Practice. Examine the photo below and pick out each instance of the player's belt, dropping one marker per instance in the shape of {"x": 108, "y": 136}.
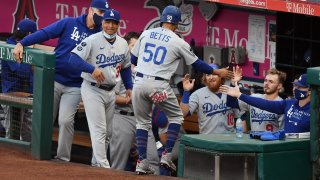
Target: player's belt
{"x": 103, "y": 86}
{"x": 126, "y": 113}
{"x": 155, "y": 77}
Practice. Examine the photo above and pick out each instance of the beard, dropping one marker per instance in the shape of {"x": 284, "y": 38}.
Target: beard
{"x": 214, "y": 87}
{"x": 269, "y": 90}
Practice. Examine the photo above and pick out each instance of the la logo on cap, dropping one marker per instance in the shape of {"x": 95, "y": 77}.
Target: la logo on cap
{"x": 107, "y": 5}
{"x": 111, "y": 13}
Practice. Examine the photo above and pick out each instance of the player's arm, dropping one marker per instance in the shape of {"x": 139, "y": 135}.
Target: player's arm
{"x": 121, "y": 100}
{"x": 203, "y": 67}
{"x": 134, "y": 60}
{"x": 52, "y": 31}
{"x": 271, "y": 106}
{"x": 127, "y": 81}
{"x": 78, "y": 63}
{"x": 187, "y": 87}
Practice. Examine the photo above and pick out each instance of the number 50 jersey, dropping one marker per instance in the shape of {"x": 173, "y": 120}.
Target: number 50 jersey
{"x": 159, "y": 51}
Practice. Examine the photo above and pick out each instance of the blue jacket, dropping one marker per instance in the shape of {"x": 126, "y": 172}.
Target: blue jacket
{"x": 297, "y": 119}
{"x": 70, "y": 31}
{"x": 16, "y": 77}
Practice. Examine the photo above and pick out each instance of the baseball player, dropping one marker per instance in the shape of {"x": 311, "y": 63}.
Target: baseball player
{"x": 261, "y": 120}
{"x": 123, "y": 151}
{"x": 70, "y": 31}
{"x": 296, "y": 110}
{"x": 157, "y": 54}
{"x": 106, "y": 57}
{"x": 216, "y": 111}
{"x": 18, "y": 78}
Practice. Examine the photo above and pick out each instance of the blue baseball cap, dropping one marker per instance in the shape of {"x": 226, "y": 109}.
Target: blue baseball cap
{"x": 27, "y": 25}
{"x": 100, "y": 4}
{"x": 302, "y": 81}
{"x": 112, "y": 14}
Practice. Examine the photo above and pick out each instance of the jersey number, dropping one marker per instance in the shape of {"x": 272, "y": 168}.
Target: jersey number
{"x": 230, "y": 119}
{"x": 118, "y": 68}
{"x": 157, "y": 54}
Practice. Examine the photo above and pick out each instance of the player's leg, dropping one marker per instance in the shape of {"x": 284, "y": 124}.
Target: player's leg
{"x": 123, "y": 135}
{"x": 2, "y": 122}
{"x": 26, "y": 124}
{"x": 7, "y": 119}
{"x": 69, "y": 102}
{"x": 58, "y": 88}
{"x": 93, "y": 100}
{"x": 142, "y": 110}
{"x": 109, "y": 100}
{"x": 152, "y": 153}
{"x": 172, "y": 109}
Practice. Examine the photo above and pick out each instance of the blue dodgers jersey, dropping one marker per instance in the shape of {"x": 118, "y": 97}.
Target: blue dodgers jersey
{"x": 297, "y": 119}
{"x": 16, "y": 77}
{"x": 70, "y": 31}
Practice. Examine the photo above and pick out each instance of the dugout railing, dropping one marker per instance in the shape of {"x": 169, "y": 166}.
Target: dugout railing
{"x": 43, "y": 63}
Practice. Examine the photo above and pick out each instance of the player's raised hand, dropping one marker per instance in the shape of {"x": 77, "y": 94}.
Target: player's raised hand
{"x": 98, "y": 75}
{"x": 231, "y": 91}
{"x": 224, "y": 73}
{"x": 237, "y": 71}
{"x": 18, "y": 52}
{"x": 128, "y": 96}
{"x": 187, "y": 82}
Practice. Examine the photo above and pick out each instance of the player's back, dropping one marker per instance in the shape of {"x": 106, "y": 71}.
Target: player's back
{"x": 159, "y": 52}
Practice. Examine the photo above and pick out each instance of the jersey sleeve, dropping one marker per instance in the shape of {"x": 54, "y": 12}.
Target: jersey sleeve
{"x": 244, "y": 106}
{"x": 56, "y": 29}
{"x": 186, "y": 53}
{"x": 193, "y": 103}
{"x": 83, "y": 49}
{"x": 277, "y": 107}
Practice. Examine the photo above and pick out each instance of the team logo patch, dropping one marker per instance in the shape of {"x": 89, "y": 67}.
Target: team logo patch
{"x": 107, "y": 5}
{"x": 79, "y": 48}
{"x": 83, "y": 44}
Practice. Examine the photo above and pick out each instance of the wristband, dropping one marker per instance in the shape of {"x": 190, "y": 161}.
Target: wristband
{"x": 185, "y": 97}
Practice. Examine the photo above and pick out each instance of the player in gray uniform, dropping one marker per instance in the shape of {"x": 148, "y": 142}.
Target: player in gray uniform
{"x": 157, "y": 54}
{"x": 106, "y": 56}
{"x": 261, "y": 120}
{"x": 216, "y": 111}
{"x": 123, "y": 142}
{"x": 67, "y": 94}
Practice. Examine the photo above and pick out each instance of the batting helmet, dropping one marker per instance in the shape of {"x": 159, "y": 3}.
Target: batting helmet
{"x": 112, "y": 14}
{"x": 171, "y": 14}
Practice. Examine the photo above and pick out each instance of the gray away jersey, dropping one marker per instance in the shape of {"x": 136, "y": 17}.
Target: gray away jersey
{"x": 159, "y": 51}
{"x": 110, "y": 58}
{"x": 213, "y": 114}
{"x": 261, "y": 120}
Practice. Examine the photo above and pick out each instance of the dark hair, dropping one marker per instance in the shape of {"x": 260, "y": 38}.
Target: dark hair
{"x": 130, "y": 35}
{"x": 19, "y": 35}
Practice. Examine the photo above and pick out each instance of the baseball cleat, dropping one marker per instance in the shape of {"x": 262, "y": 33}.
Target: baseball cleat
{"x": 143, "y": 168}
{"x": 167, "y": 163}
